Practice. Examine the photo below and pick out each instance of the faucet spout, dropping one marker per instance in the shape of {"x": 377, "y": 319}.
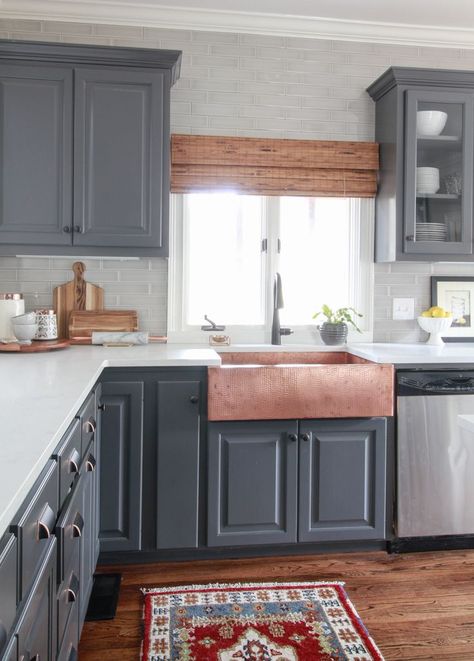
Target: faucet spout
{"x": 277, "y": 330}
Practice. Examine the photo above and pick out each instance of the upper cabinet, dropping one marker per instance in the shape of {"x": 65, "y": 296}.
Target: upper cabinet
{"x": 84, "y": 149}
{"x": 425, "y": 127}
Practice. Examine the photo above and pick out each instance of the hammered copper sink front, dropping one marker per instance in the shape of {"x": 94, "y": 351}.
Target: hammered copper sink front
{"x": 288, "y": 385}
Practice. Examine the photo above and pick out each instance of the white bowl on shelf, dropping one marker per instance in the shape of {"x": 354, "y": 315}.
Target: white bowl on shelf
{"x": 427, "y": 180}
{"x": 435, "y": 326}
{"x": 430, "y": 122}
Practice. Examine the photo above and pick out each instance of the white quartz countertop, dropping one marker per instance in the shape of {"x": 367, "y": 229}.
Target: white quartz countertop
{"x": 456, "y": 353}
{"x": 41, "y": 393}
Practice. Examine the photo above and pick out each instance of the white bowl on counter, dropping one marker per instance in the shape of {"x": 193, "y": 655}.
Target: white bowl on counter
{"x": 24, "y": 333}
{"x": 435, "y": 326}
{"x": 24, "y": 319}
{"x": 430, "y": 122}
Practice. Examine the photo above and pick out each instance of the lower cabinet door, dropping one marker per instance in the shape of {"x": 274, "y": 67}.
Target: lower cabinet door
{"x": 252, "y": 483}
{"x": 37, "y": 626}
{"x": 178, "y": 426}
{"x": 121, "y": 458}
{"x": 342, "y": 487}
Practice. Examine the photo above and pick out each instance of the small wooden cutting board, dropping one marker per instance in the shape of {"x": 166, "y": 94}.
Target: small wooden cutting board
{"x": 83, "y": 322}
{"x": 75, "y": 295}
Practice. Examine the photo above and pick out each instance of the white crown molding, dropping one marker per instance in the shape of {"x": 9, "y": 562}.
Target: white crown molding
{"x": 147, "y": 14}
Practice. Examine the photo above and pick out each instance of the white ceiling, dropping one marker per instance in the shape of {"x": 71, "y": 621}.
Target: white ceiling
{"x": 426, "y": 22}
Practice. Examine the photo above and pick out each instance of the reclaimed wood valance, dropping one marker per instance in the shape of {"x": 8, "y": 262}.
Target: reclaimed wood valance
{"x": 269, "y": 166}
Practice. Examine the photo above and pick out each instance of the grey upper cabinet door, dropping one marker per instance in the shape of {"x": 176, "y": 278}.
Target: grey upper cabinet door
{"x": 439, "y": 175}
{"x": 178, "y": 425}
{"x": 342, "y": 486}
{"x": 121, "y": 459}
{"x": 121, "y": 157}
{"x": 252, "y": 483}
{"x": 35, "y": 155}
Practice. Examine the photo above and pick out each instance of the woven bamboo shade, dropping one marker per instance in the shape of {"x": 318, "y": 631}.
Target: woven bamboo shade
{"x": 266, "y": 166}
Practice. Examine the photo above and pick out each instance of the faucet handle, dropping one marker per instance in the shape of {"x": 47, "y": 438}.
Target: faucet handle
{"x": 286, "y": 331}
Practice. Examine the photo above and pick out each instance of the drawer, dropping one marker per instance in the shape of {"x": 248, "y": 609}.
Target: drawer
{"x": 36, "y": 523}
{"x": 68, "y": 606}
{"x": 87, "y": 416}
{"x": 8, "y": 585}
{"x": 36, "y": 630}
{"x": 69, "y": 529}
{"x": 69, "y": 459}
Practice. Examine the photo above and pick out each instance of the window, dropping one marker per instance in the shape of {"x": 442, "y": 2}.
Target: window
{"x": 226, "y": 249}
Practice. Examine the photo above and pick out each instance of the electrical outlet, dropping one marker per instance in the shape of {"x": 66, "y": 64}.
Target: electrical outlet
{"x": 403, "y": 308}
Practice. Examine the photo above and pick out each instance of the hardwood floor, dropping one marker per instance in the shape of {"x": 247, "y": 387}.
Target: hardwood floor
{"x": 416, "y": 606}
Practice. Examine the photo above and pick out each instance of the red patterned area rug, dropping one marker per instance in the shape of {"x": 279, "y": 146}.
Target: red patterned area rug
{"x": 254, "y": 622}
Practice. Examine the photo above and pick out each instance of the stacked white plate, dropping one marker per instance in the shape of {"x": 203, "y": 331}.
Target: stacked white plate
{"x": 431, "y": 232}
{"x": 427, "y": 180}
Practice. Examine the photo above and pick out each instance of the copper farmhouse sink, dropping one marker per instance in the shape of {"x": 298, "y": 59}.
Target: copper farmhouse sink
{"x": 286, "y": 385}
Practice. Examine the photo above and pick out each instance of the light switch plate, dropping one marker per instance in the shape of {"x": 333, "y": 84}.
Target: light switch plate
{"x": 403, "y": 308}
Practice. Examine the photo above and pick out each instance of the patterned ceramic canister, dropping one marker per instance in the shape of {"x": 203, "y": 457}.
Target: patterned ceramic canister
{"x": 47, "y": 325}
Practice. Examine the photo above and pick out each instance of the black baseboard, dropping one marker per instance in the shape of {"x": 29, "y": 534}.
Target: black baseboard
{"x": 435, "y": 543}
{"x": 236, "y": 553}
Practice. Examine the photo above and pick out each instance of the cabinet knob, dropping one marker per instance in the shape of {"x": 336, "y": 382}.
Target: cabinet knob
{"x": 46, "y": 523}
{"x": 90, "y": 426}
{"x": 101, "y": 407}
{"x": 194, "y": 399}
{"x": 67, "y": 229}
{"x": 91, "y": 463}
{"x": 77, "y": 526}
{"x": 305, "y": 437}
{"x": 74, "y": 461}
{"x": 78, "y": 229}
{"x": 292, "y": 437}
{"x": 410, "y": 237}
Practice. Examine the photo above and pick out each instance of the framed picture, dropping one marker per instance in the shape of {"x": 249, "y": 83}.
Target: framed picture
{"x": 455, "y": 294}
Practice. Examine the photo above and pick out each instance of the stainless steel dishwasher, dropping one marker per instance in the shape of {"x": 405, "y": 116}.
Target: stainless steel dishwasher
{"x": 435, "y": 456}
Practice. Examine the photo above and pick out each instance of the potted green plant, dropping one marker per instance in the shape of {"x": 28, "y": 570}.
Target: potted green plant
{"x": 335, "y": 328}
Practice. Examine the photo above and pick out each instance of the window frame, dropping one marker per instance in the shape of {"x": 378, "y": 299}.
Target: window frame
{"x": 361, "y": 267}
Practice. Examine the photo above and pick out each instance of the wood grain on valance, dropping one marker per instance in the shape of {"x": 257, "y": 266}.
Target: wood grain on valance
{"x": 269, "y": 166}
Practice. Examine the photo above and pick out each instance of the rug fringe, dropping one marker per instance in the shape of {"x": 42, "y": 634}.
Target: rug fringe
{"x": 219, "y": 586}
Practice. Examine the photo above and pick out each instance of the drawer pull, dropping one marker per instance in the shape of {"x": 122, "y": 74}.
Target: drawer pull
{"x": 74, "y": 461}
{"x": 90, "y": 426}
{"x": 77, "y": 526}
{"x": 72, "y": 655}
{"x": 46, "y": 523}
{"x": 101, "y": 407}
{"x": 91, "y": 463}
{"x": 36, "y": 657}
{"x": 73, "y": 589}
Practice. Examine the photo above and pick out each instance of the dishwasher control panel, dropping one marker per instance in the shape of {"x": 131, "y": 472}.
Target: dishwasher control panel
{"x": 434, "y": 382}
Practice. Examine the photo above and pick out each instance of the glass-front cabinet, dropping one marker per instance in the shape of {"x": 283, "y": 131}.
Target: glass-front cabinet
{"x": 438, "y": 173}
{"x": 425, "y": 128}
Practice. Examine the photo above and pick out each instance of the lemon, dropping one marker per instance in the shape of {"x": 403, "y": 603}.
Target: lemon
{"x": 438, "y": 313}
{"x": 426, "y": 313}
{"x": 435, "y": 310}
{"x": 448, "y": 314}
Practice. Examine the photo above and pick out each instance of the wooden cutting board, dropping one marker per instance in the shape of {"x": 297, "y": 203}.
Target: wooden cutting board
{"x": 82, "y": 323}
{"x": 75, "y": 295}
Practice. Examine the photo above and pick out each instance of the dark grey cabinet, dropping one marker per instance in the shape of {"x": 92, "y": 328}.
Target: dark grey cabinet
{"x": 342, "y": 480}
{"x": 179, "y": 452}
{"x": 9, "y": 585}
{"x": 89, "y": 533}
{"x": 84, "y": 149}
{"x": 289, "y": 481}
{"x": 252, "y": 483}
{"x": 120, "y": 159}
{"x": 35, "y": 154}
{"x": 121, "y": 465}
{"x": 425, "y": 128}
